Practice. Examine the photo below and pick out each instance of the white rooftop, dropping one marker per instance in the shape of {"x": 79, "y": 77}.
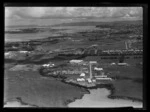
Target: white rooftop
{"x": 98, "y": 68}
{"x": 93, "y": 61}
{"x": 76, "y": 61}
{"x": 82, "y": 74}
{"x": 122, "y": 64}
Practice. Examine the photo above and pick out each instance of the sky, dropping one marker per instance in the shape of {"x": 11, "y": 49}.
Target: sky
{"x": 56, "y": 15}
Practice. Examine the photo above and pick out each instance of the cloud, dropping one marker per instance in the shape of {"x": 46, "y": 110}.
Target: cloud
{"x": 71, "y": 12}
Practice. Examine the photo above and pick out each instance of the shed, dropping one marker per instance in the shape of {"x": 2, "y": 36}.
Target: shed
{"x": 99, "y": 69}
{"x": 80, "y": 79}
{"x": 123, "y": 64}
{"x": 76, "y": 61}
{"x": 113, "y": 64}
{"x": 82, "y": 75}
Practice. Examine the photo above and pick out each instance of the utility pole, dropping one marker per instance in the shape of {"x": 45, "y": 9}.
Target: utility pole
{"x": 126, "y": 45}
{"x": 130, "y": 44}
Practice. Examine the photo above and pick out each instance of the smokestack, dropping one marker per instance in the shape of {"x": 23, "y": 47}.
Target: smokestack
{"x": 90, "y": 63}
{"x": 90, "y": 71}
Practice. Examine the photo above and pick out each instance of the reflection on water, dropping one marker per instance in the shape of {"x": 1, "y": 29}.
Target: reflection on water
{"x": 98, "y": 98}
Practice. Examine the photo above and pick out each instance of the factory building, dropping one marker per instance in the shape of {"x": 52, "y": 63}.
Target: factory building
{"x": 76, "y": 61}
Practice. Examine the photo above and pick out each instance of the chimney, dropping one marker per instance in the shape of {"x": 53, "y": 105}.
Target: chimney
{"x": 90, "y": 63}
{"x": 90, "y": 71}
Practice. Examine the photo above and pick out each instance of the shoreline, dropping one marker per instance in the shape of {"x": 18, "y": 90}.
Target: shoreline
{"x": 109, "y": 87}
{"x": 19, "y": 99}
{"x": 110, "y": 96}
{"x": 98, "y": 98}
{"x": 84, "y": 90}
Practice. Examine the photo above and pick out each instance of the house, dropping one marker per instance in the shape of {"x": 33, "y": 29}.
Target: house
{"x": 123, "y": 64}
{"x": 82, "y": 75}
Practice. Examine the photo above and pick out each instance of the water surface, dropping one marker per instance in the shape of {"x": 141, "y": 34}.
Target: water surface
{"x": 99, "y": 98}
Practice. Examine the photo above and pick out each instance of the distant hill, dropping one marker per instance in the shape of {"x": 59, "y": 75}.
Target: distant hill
{"x": 92, "y": 23}
{"x": 86, "y": 23}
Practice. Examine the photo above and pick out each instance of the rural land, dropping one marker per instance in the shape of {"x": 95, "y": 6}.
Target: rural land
{"x": 55, "y": 70}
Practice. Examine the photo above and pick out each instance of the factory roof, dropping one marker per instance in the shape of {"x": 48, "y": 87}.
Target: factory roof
{"x": 76, "y": 61}
{"x": 122, "y": 64}
{"x": 98, "y": 68}
{"x": 93, "y": 61}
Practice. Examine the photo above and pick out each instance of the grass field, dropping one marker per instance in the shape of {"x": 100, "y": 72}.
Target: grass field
{"x": 38, "y": 90}
{"x": 35, "y": 89}
{"x": 128, "y": 79}
{"x": 128, "y": 88}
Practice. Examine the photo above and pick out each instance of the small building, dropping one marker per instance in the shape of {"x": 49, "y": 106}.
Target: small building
{"x": 82, "y": 75}
{"x": 113, "y": 64}
{"x": 84, "y": 68}
{"x": 48, "y": 65}
{"x": 94, "y": 45}
{"x": 45, "y": 65}
{"x": 99, "y": 69}
{"x": 7, "y": 53}
{"x": 85, "y": 63}
{"x": 76, "y": 61}
{"x": 123, "y": 64}
{"x": 103, "y": 78}
{"x": 93, "y": 80}
{"x": 93, "y": 62}
{"x": 80, "y": 79}
{"x": 14, "y": 47}
{"x": 23, "y": 51}
{"x": 89, "y": 80}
